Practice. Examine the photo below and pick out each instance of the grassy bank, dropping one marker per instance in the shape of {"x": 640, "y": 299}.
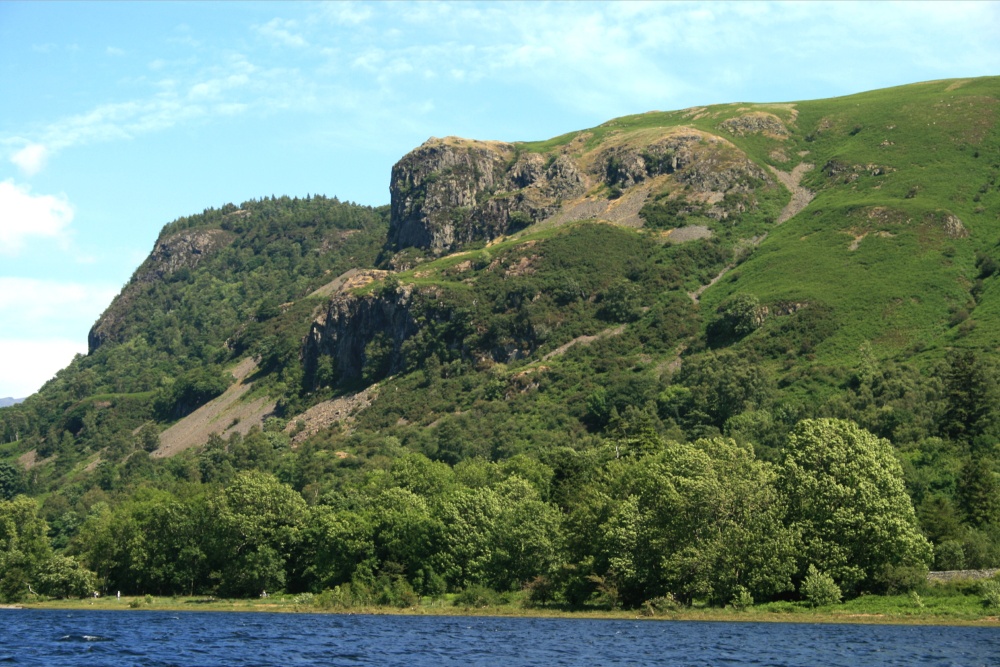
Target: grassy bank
{"x": 950, "y": 609}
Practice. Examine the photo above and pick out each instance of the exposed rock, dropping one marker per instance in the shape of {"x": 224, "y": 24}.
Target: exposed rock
{"x": 183, "y": 250}
{"x": 340, "y": 410}
{"x": 449, "y": 192}
{"x": 347, "y": 326}
{"x": 850, "y": 173}
{"x": 627, "y": 164}
{"x": 350, "y": 279}
{"x": 962, "y": 575}
{"x": 687, "y": 233}
{"x": 435, "y": 188}
{"x": 756, "y": 122}
{"x": 721, "y": 167}
{"x": 800, "y": 196}
{"x": 953, "y": 227}
{"x": 225, "y": 415}
{"x": 704, "y": 161}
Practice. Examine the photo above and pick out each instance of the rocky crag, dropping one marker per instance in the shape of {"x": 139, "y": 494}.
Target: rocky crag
{"x": 451, "y": 192}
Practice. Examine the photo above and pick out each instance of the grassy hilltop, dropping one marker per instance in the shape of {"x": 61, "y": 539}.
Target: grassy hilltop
{"x": 620, "y": 367}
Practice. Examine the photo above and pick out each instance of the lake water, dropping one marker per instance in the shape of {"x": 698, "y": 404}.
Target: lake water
{"x": 117, "y": 639}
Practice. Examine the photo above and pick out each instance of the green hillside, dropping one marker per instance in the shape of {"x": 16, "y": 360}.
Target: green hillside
{"x": 631, "y": 365}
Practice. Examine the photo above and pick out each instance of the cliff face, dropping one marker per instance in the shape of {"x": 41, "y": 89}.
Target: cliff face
{"x": 184, "y": 250}
{"x": 451, "y": 191}
{"x": 359, "y": 336}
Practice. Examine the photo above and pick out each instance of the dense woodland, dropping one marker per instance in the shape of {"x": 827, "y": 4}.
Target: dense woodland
{"x": 567, "y": 421}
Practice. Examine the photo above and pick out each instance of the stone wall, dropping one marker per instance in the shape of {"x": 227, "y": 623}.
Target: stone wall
{"x": 958, "y": 575}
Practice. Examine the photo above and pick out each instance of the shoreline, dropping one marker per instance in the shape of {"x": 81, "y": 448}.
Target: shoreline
{"x": 440, "y": 608}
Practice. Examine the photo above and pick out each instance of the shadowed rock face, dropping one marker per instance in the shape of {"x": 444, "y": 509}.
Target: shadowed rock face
{"x": 451, "y": 191}
{"x": 347, "y": 326}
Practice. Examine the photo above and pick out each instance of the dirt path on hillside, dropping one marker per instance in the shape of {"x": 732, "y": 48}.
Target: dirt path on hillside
{"x": 584, "y": 340}
{"x": 225, "y": 415}
{"x": 800, "y": 199}
{"x": 800, "y": 196}
{"x": 695, "y": 296}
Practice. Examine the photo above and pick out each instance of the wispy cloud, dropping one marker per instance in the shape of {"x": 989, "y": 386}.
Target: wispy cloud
{"x": 31, "y": 158}
{"x": 371, "y": 65}
{"x": 23, "y": 215}
{"x": 346, "y": 13}
{"x": 282, "y": 32}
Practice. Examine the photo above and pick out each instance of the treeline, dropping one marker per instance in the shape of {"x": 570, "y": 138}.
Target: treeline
{"x": 643, "y": 519}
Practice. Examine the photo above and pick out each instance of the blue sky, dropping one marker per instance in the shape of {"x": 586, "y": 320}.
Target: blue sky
{"x": 116, "y": 118}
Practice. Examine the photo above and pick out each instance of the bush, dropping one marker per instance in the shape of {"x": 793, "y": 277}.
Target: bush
{"x": 949, "y": 555}
{"x": 990, "y": 592}
{"x": 660, "y": 605}
{"x": 540, "y": 590}
{"x": 902, "y": 578}
{"x": 477, "y": 596}
{"x": 63, "y": 577}
{"x": 339, "y": 597}
{"x": 397, "y": 593}
{"x": 819, "y": 588}
{"x": 742, "y": 600}
{"x": 739, "y": 316}
{"x": 620, "y": 302}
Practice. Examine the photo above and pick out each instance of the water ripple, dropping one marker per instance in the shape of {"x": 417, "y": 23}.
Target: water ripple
{"x": 168, "y": 639}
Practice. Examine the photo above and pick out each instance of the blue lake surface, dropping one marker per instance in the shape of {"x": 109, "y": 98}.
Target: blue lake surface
{"x": 117, "y": 639}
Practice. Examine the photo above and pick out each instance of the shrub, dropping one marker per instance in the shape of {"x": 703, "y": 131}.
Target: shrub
{"x": 477, "y": 596}
{"x": 540, "y": 590}
{"x": 990, "y": 592}
{"x": 339, "y": 597}
{"x": 949, "y": 555}
{"x": 896, "y": 579}
{"x": 398, "y": 593}
{"x": 620, "y": 302}
{"x": 742, "y": 600}
{"x": 819, "y": 588}
{"x": 738, "y": 316}
{"x": 660, "y": 605}
{"x": 987, "y": 265}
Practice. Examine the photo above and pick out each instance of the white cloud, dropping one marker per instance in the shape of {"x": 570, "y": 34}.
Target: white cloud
{"x": 35, "y": 318}
{"x": 281, "y": 32}
{"x": 25, "y": 365}
{"x": 347, "y": 13}
{"x": 31, "y": 158}
{"x": 23, "y": 215}
{"x": 115, "y": 51}
{"x": 31, "y": 305}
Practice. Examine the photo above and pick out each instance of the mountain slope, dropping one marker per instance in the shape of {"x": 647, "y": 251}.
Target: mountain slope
{"x": 553, "y": 307}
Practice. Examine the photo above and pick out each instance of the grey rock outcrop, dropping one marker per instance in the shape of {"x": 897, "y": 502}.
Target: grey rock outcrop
{"x": 183, "y": 250}
{"x": 449, "y": 192}
{"x": 350, "y": 323}
{"x": 756, "y": 122}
